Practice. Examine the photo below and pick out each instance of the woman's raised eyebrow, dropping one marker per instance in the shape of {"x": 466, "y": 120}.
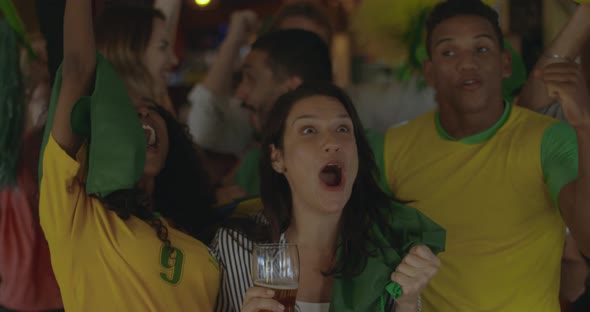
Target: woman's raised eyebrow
{"x": 343, "y": 116}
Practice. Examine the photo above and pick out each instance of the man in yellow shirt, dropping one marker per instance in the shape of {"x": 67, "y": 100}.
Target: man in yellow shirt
{"x": 500, "y": 179}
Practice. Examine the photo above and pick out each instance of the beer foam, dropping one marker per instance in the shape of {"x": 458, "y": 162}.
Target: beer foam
{"x": 280, "y": 285}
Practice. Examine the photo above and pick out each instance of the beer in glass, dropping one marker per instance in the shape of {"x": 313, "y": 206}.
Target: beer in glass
{"x": 276, "y": 266}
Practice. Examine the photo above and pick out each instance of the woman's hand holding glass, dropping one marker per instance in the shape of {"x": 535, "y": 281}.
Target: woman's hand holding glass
{"x": 275, "y": 274}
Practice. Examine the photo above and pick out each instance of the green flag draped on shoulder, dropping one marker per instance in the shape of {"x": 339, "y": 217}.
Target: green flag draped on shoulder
{"x": 108, "y": 120}
{"x": 370, "y": 290}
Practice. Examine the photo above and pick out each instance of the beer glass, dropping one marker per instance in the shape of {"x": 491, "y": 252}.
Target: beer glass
{"x": 276, "y": 266}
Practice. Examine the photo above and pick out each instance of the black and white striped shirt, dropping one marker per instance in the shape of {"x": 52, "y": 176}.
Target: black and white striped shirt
{"x": 234, "y": 252}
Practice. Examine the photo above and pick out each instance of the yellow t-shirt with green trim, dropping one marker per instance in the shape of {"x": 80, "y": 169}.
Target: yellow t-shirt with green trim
{"x": 495, "y": 193}
{"x": 104, "y": 263}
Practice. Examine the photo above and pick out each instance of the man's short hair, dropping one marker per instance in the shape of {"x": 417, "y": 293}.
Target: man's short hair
{"x": 306, "y": 9}
{"x": 296, "y": 52}
{"x": 452, "y": 8}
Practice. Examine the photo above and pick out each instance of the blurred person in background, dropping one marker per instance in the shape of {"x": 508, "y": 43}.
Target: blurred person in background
{"x": 217, "y": 119}
{"x": 27, "y": 282}
{"x": 567, "y": 47}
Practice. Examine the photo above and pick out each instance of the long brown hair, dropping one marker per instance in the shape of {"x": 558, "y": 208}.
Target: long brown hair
{"x": 368, "y": 207}
{"x": 122, "y": 35}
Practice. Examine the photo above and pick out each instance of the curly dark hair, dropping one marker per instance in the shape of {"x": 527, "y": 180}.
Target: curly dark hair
{"x": 367, "y": 207}
{"x": 182, "y": 194}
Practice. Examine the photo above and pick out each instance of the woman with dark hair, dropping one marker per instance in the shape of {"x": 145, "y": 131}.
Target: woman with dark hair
{"x": 114, "y": 248}
{"x": 319, "y": 191}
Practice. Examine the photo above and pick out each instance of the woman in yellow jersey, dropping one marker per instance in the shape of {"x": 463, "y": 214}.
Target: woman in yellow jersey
{"x": 119, "y": 252}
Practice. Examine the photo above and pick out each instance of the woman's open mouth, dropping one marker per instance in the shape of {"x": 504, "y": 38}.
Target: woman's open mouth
{"x": 331, "y": 176}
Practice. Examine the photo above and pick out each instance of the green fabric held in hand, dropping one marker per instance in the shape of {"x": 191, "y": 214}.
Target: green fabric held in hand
{"x": 108, "y": 119}
{"x": 372, "y": 288}
{"x": 368, "y": 290}
{"x": 394, "y": 290}
{"x": 11, "y": 105}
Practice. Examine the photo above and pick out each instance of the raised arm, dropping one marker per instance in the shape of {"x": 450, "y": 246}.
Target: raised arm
{"x": 171, "y": 9}
{"x": 78, "y": 67}
{"x": 219, "y": 78}
{"x": 567, "y": 83}
{"x": 216, "y": 122}
{"x": 566, "y": 46}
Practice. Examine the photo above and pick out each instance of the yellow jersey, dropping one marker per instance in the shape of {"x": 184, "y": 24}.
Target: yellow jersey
{"x": 495, "y": 193}
{"x": 104, "y": 263}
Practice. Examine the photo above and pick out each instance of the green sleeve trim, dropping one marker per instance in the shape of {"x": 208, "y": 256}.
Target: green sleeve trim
{"x": 479, "y": 137}
{"x": 559, "y": 157}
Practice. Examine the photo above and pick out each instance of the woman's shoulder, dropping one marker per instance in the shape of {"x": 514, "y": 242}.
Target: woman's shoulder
{"x": 231, "y": 248}
{"x": 229, "y": 237}
{"x": 238, "y": 234}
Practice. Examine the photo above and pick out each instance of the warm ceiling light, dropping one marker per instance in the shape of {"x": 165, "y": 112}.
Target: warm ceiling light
{"x": 202, "y": 3}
